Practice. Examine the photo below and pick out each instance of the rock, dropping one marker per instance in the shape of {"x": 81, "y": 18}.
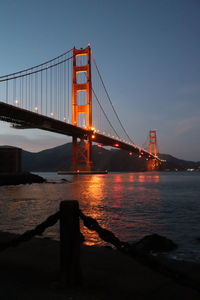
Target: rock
{"x": 65, "y": 180}
{"x": 154, "y": 243}
{"x": 20, "y": 178}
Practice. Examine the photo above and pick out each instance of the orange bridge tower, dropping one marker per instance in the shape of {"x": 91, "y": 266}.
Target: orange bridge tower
{"x": 81, "y": 148}
{"x": 153, "y": 149}
{"x": 153, "y": 142}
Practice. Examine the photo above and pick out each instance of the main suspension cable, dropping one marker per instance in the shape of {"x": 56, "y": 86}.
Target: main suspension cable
{"x": 111, "y": 101}
{"x": 105, "y": 114}
{"x": 102, "y": 107}
{"x": 34, "y": 72}
{"x": 25, "y": 70}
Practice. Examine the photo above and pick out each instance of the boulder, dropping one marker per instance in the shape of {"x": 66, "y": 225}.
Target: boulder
{"x": 154, "y": 243}
{"x": 20, "y": 178}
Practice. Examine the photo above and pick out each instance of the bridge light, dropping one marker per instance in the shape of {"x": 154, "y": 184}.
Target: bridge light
{"x": 93, "y": 129}
{"x": 116, "y": 145}
{"x": 64, "y": 119}
{"x": 36, "y": 108}
{"x": 139, "y": 156}
{"x": 99, "y": 145}
{"x": 93, "y": 136}
{"x": 52, "y": 114}
{"x": 16, "y": 101}
{"x": 130, "y": 153}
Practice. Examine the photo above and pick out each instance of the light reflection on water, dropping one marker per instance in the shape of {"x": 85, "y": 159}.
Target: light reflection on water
{"x": 130, "y": 204}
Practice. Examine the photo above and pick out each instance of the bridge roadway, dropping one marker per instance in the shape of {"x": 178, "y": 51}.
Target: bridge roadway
{"x": 24, "y": 119}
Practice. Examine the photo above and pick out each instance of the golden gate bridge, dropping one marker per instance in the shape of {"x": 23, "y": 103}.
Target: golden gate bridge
{"x": 67, "y": 95}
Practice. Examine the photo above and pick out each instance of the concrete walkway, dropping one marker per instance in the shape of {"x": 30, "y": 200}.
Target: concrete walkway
{"x": 31, "y": 271}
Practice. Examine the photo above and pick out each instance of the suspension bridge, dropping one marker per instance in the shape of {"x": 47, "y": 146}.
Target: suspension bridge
{"x": 67, "y": 95}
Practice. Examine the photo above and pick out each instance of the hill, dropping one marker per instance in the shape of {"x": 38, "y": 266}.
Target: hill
{"x": 173, "y": 163}
{"x": 59, "y": 158}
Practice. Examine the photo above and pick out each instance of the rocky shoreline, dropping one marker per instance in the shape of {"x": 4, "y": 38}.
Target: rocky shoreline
{"x": 31, "y": 270}
{"x": 20, "y": 178}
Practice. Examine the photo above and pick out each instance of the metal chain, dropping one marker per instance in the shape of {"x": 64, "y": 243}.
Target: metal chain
{"x": 105, "y": 234}
{"x": 109, "y": 237}
{"x": 39, "y": 229}
{"x": 140, "y": 256}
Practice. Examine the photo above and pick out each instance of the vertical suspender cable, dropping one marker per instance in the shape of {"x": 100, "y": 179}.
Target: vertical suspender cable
{"x": 64, "y": 89}
{"x": 22, "y": 100}
{"x": 7, "y": 91}
{"x": 26, "y": 103}
{"x": 36, "y": 90}
{"x": 14, "y": 90}
{"x": 46, "y": 91}
{"x": 41, "y": 86}
{"x": 51, "y": 90}
{"x": 68, "y": 91}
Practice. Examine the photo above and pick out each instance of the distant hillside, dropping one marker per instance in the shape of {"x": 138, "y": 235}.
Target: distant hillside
{"x": 180, "y": 164}
{"x": 54, "y": 159}
{"x": 59, "y": 158}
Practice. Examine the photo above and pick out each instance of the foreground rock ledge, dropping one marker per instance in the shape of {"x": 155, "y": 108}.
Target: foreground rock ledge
{"x": 19, "y": 178}
{"x": 30, "y": 271}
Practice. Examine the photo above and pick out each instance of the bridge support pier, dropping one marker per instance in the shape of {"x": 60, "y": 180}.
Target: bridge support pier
{"x": 152, "y": 165}
{"x": 81, "y": 154}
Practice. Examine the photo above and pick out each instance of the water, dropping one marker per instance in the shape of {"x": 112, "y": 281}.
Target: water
{"x": 132, "y": 205}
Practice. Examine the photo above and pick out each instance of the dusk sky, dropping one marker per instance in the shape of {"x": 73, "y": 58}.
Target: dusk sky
{"x": 148, "y": 52}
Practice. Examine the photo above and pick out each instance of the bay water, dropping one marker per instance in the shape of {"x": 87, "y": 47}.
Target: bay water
{"x": 131, "y": 205}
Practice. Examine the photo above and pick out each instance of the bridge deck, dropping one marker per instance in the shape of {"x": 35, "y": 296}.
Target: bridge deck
{"x": 22, "y": 118}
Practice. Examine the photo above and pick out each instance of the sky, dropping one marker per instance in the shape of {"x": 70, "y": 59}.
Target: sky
{"x": 148, "y": 53}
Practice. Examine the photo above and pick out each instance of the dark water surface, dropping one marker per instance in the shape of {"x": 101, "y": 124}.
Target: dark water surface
{"x": 132, "y": 205}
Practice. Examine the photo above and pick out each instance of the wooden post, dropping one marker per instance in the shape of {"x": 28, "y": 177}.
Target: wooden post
{"x": 70, "y": 243}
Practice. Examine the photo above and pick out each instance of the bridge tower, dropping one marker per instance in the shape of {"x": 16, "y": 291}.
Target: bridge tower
{"x": 153, "y": 163}
{"x": 152, "y": 142}
{"x": 81, "y": 148}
